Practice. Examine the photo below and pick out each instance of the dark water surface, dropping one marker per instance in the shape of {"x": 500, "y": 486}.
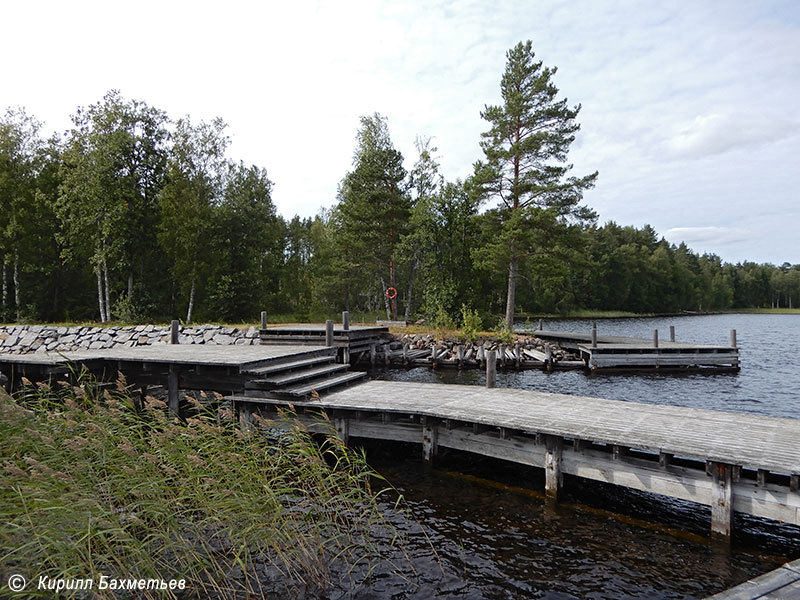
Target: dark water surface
{"x": 495, "y": 537}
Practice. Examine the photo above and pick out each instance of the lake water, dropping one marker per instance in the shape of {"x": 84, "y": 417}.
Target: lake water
{"x": 495, "y": 537}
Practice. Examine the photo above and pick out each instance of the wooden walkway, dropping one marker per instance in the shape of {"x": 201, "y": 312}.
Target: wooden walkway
{"x": 729, "y": 461}
{"x": 782, "y": 583}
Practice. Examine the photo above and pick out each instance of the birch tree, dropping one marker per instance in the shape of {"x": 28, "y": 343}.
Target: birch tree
{"x": 194, "y": 184}
{"x": 113, "y": 168}
{"x": 525, "y": 166}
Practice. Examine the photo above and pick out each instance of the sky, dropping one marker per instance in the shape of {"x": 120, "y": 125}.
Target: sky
{"x": 690, "y": 110}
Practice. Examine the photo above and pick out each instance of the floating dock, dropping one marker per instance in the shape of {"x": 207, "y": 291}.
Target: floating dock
{"x": 617, "y": 352}
{"x": 728, "y": 461}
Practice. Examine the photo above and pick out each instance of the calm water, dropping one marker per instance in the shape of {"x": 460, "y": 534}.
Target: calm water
{"x": 494, "y": 537}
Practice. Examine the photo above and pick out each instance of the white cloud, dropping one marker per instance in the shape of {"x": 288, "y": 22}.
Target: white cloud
{"x": 712, "y": 134}
{"x": 711, "y": 236}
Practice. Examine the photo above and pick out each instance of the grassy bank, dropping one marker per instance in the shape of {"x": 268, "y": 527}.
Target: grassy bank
{"x": 90, "y": 486}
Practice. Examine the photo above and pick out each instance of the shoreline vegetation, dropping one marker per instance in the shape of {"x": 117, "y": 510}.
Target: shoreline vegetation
{"x": 91, "y": 486}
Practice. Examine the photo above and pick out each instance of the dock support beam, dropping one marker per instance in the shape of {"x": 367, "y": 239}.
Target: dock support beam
{"x": 343, "y": 428}
{"x": 553, "y": 479}
{"x": 430, "y": 435}
{"x": 172, "y": 390}
{"x": 721, "y": 499}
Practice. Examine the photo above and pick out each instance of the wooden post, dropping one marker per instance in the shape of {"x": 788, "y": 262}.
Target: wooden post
{"x": 553, "y": 479}
{"x": 672, "y": 333}
{"x": 548, "y": 357}
{"x": 594, "y": 334}
{"x": 263, "y": 319}
{"x": 430, "y": 434}
{"x": 655, "y": 338}
{"x": 481, "y": 356}
{"x": 346, "y": 320}
{"x": 491, "y": 368}
{"x": 721, "y": 499}
{"x": 342, "y": 428}
{"x": 434, "y": 355}
{"x": 405, "y": 354}
{"x": 172, "y": 390}
{"x": 517, "y": 354}
{"x": 173, "y": 330}
{"x": 503, "y": 355}
{"x": 540, "y": 325}
{"x": 329, "y": 333}
{"x": 733, "y": 338}
{"x": 460, "y": 354}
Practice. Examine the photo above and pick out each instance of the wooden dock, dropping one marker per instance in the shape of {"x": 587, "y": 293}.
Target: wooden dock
{"x": 353, "y": 341}
{"x": 728, "y": 461}
{"x": 284, "y": 371}
{"x": 618, "y": 352}
{"x": 782, "y": 583}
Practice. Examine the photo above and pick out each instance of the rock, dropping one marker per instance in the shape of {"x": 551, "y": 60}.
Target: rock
{"x": 223, "y": 339}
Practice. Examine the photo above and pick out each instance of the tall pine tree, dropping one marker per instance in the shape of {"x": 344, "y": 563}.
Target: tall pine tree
{"x": 526, "y": 151}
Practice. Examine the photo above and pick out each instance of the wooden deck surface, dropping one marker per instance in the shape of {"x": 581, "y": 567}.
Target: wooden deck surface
{"x": 734, "y": 438}
{"x": 202, "y": 354}
{"x": 622, "y": 342}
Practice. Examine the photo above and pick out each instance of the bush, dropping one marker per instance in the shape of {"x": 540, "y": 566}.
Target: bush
{"x": 471, "y": 323}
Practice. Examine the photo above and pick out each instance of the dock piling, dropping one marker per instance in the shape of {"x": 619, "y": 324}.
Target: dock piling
{"x": 329, "y": 333}
{"x": 174, "y": 329}
{"x": 346, "y": 320}
{"x": 263, "y": 319}
{"x": 594, "y": 334}
{"x": 733, "y": 338}
{"x": 491, "y": 368}
{"x": 655, "y": 338}
{"x": 721, "y": 499}
{"x": 553, "y": 479}
{"x": 672, "y": 333}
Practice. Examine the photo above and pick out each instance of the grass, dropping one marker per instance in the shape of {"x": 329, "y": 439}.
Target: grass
{"x": 90, "y": 486}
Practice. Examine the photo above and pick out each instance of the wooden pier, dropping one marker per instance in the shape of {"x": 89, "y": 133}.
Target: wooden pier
{"x": 617, "y": 352}
{"x": 727, "y": 461}
{"x": 781, "y": 584}
{"x": 353, "y": 341}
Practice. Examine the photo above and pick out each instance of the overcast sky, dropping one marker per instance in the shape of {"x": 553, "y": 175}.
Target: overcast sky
{"x": 691, "y": 110}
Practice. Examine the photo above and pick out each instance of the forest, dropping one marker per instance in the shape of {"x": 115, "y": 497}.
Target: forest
{"x": 134, "y": 216}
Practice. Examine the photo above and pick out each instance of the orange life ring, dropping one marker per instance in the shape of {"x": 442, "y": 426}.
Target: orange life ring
{"x": 391, "y": 293}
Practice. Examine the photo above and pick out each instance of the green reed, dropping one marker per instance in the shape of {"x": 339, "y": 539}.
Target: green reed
{"x": 90, "y": 485}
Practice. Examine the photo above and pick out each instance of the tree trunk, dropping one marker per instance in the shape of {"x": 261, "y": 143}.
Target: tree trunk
{"x": 100, "y": 296}
{"x": 386, "y": 299}
{"x": 17, "y": 302}
{"x": 5, "y": 290}
{"x": 130, "y": 286}
{"x": 512, "y": 291}
{"x": 410, "y": 288}
{"x": 393, "y": 285}
{"x": 191, "y": 303}
{"x": 107, "y": 295}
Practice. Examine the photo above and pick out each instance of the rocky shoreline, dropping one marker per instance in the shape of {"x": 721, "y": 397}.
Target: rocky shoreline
{"x": 26, "y": 339}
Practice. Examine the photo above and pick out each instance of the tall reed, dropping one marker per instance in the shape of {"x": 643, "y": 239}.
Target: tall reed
{"x": 90, "y": 485}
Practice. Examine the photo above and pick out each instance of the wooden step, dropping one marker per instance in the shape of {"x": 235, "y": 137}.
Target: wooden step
{"x": 289, "y": 366}
{"x": 307, "y": 387}
{"x": 300, "y": 375}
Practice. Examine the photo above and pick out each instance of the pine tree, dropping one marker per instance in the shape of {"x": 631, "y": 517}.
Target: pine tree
{"x": 526, "y": 151}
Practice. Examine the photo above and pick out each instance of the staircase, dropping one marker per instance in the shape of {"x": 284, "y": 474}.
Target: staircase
{"x": 298, "y": 378}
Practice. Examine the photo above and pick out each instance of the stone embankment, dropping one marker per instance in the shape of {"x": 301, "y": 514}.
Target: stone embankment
{"x": 24, "y": 339}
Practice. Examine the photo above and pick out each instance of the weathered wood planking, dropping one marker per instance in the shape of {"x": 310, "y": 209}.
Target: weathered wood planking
{"x": 734, "y": 438}
{"x": 782, "y": 583}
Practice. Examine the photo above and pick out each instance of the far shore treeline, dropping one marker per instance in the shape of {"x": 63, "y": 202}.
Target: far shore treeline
{"x": 132, "y": 215}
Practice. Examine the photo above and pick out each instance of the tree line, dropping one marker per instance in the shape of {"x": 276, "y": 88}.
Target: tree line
{"x": 132, "y": 215}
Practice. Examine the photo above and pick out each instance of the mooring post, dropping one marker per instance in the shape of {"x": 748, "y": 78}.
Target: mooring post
{"x": 329, "y": 333}
{"x": 733, "y": 338}
{"x": 174, "y": 328}
{"x": 263, "y": 319}
{"x": 481, "y": 356}
{"x": 594, "y": 334}
{"x": 655, "y": 338}
{"x": 548, "y": 357}
{"x": 346, "y": 320}
{"x": 434, "y": 354}
{"x": 172, "y": 390}
{"x": 517, "y": 354}
{"x": 553, "y": 479}
{"x": 430, "y": 434}
{"x": 541, "y": 323}
{"x": 672, "y": 333}
{"x": 503, "y": 355}
{"x": 460, "y": 355}
{"x": 721, "y": 499}
{"x": 491, "y": 368}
